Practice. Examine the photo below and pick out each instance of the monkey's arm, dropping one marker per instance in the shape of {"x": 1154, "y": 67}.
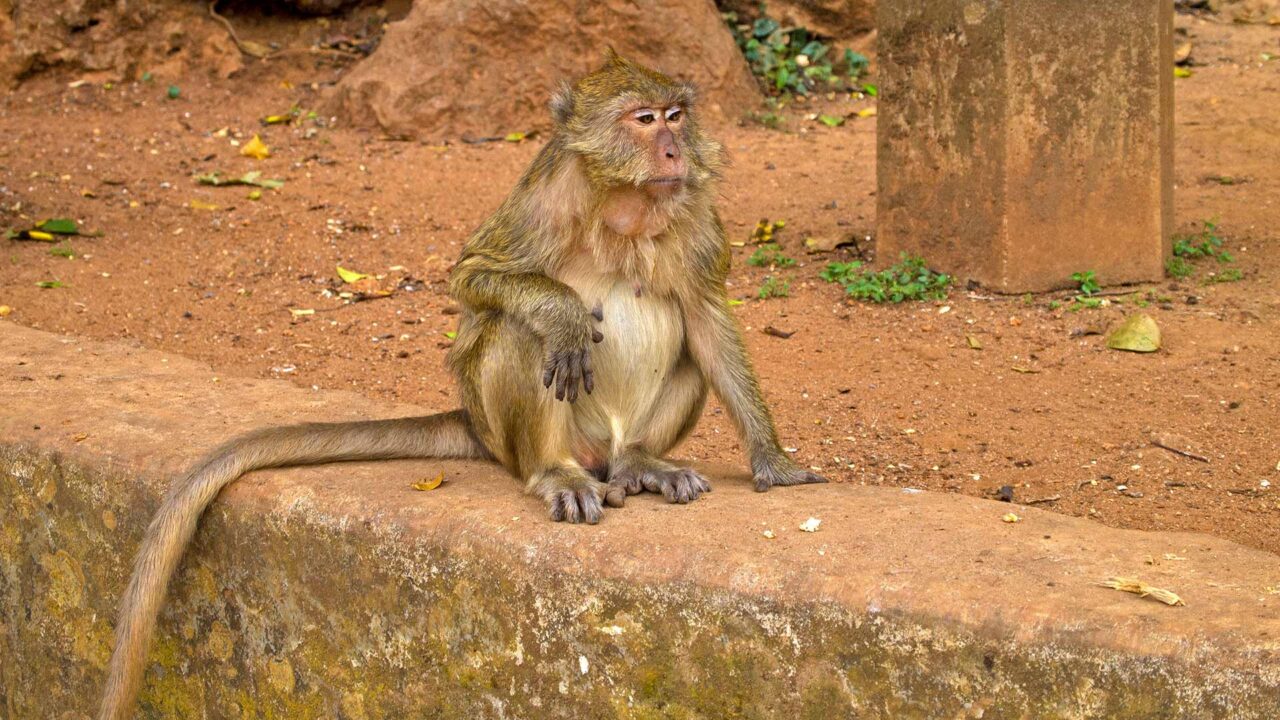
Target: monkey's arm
{"x": 716, "y": 346}
{"x": 549, "y": 307}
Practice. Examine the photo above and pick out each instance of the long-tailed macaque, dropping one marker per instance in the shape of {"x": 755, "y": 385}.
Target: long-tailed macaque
{"x": 595, "y": 319}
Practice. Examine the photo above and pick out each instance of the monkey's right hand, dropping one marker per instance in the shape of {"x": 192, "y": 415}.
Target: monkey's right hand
{"x": 568, "y": 350}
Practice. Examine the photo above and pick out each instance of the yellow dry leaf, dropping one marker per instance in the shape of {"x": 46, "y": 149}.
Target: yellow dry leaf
{"x": 255, "y": 49}
{"x": 350, "y": 276}
{"x": 515, "y": 137}
{"x": 255, "y": 148}
{"x": 202, "y": 205}
{"x": 38, "y": 235}
{"x": 866, "y": 113}
{"x": 5, "y": 310}
{"x": 299, "y": 312}
{"x": 1011, "y": 518}
{"x": 431, "y": 484}
{"x": 1141, "y": 589}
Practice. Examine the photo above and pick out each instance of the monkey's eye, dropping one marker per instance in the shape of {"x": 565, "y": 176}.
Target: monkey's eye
{"x": 674, "y": 114}
{"x": 645, "y": 117}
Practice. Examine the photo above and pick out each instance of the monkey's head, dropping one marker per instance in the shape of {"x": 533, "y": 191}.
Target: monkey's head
{"x": 631, "y": 125}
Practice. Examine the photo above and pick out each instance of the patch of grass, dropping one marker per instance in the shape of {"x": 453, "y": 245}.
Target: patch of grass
{"x": 1083, "y": 302}
{"x": 1227, "y": 275}
{"x": 792, "y": 60}
{"x": 770, "y": 255}
{"x": 771, "y": 120}
{"x": 65, "y": 251}
{"x": 909, "y": 279}
{"x": 1204, "y": 244}
{"x": 774, "y": 286}
{"x": 1087, "y": 280}
{"x": 1178, "y": 267}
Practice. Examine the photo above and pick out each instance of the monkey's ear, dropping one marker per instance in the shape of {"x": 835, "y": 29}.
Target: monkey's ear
{"x": 562, "y": 104}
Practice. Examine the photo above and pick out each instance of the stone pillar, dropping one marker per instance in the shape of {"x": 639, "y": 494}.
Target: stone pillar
{"x": 1023, "y": 140}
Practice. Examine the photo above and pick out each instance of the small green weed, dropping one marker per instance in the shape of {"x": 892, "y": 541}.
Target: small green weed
{"x": 1206, "y": 243}
{"x": 1087, "y": 280}
{"x": 774, "y": 287}
{"x": 65, "y": 251}
{"x": 910, "y": 279}
{"x": 1178, "y": 267}
{"x": 770, "y": 255}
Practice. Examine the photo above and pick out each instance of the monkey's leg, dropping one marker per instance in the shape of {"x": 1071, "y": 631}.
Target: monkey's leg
{"x": 528, "y": 431}
{"x": 637, "y": 465}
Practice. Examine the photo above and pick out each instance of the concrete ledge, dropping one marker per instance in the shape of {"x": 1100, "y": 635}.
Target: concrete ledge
{"x": 339, "y": 592}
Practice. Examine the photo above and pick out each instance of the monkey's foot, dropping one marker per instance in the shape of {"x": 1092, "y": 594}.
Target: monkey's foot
{"x": 781, "y": 471}
{"x": 636, "y": 472}
{"x": 574, "y": 496}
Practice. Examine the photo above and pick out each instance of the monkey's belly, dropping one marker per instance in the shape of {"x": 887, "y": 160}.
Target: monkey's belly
{"x": 643, "y": 343}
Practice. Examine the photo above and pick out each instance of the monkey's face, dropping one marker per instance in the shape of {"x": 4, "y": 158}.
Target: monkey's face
{"x": 633, "y": 126}
{"x": 655, "y": 133}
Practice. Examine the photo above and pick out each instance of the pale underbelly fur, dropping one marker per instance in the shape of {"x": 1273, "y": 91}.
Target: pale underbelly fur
{"x": 643, "y": 343}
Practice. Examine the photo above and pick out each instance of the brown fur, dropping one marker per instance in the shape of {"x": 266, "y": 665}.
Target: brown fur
{"x": 602, "y": 273}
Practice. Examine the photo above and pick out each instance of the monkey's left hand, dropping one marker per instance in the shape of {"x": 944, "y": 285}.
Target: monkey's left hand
{"x": 780, "y": 470}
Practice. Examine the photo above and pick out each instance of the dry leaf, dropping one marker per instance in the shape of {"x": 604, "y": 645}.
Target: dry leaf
{"x": 350, "y": 276}
{"x": 1138, "y": 333}
{"x": 1011, "y": 518}
{"x": 868, "y": 112}
{"x": 974, "y": 343}
{"x": 202, "y": 205}
{"x": 432, "y": 484}
{"x": 255, "y": 148}
{"x": 1137, "y": 587}
{"x": 810, "y": 525}
{"x": 299, "y": 312}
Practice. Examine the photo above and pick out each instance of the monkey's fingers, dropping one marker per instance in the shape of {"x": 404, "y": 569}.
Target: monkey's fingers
{"x": 549, "y": 373}
{"x": 597, "y": 312}
{"x": 562, "y": 376}
{"x": 575, "y": 376}
{"x": 588, "y": 377}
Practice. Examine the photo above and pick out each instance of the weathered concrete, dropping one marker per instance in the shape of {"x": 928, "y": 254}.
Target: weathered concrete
{"x": 339, "y": 592}
{"x": 1023, "y": 141}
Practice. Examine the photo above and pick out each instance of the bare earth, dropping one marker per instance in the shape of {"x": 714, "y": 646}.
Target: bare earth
{"x": 876, "y": 395}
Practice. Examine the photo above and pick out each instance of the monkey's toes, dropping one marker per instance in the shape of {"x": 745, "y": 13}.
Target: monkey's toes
{"x": 793, "y": 476}
{"x": 581, "y": 500}
{"x": 680, "y": 485}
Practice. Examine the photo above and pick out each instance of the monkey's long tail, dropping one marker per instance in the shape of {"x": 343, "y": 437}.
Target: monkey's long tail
{"x": 443, "y": 435}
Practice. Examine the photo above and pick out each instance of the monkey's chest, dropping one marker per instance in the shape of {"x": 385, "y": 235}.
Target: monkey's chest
{"x": 643, "y": 341}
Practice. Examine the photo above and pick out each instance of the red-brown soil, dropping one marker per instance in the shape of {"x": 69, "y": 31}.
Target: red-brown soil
{"x": 871, "y": 394}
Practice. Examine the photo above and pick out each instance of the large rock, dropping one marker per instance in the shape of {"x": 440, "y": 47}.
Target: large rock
{"x": 828, "y": 18}
{"x": 111, "y": 39}
{"x": 457, "y": 66}
{"x": 340, "y": 592}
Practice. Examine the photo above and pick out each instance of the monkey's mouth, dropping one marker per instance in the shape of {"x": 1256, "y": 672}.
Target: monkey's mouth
{"x": 670, "y": 181}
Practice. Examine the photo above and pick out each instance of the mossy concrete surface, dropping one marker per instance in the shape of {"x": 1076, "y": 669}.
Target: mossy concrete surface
{"x": 340, "y": 592}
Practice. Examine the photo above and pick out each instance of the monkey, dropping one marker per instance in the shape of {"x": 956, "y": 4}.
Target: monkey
{"x": 594, "y": 321}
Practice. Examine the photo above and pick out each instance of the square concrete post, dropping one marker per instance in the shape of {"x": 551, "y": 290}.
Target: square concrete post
{"x": 1023, "y": 140}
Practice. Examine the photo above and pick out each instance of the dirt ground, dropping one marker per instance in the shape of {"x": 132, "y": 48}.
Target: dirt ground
{"x": 884, "y": 395}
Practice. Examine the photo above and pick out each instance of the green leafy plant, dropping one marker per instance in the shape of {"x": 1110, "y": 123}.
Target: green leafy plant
{"x": 65, "y": 251}
{"x": 774, "y": 287}
{"x": 791, "y": 60}
{"x": 1206, "y": 243}
{"x": 1178, "y": 267}
{"x": 770, "y": 255}
{"x": 909, "y": 279}
{"x": 1087, "y": 280}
